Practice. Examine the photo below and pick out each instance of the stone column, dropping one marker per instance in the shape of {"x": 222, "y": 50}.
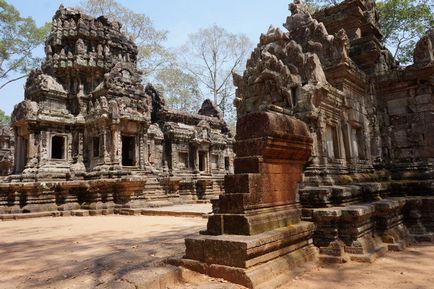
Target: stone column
{"x": 116, "y": 145}
{"x": 255, "y": 235}
{"x": 196, "y": 160}
{"x": 141, "y": 161}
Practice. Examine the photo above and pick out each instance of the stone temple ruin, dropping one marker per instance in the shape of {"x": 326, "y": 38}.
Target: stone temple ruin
{"x": 334, "y": 145}
{"x": 7, "y": 145}
{"x": 89, "y": 136}
{"x": 326, "y": 85}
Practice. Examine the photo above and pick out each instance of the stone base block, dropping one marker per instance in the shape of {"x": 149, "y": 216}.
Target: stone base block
{"x": 333, "y": 253}
{"x": 253, "y": 261}
{"x": 398, "y": 246}
{"x": 397, "y": 238}
{"x": 371, "y": 256}
{"x": 272, "y": 274}
{"x": 366, "y": 249}
{"x": 254, "y": 221}
{"x": 428, "y": 237}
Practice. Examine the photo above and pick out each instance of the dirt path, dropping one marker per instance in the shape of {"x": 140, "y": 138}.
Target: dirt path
{"x": 86, "y": 252}
{"x": 410, "y": 269}
{"x": 110, "y": 251}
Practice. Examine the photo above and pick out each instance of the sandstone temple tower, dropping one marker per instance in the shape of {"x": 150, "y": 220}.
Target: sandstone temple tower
{"x": 87, "y": 117}
{"x": 368, "y": 184}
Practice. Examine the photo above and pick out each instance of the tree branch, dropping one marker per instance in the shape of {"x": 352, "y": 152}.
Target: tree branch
{"x": 12, "y": 80}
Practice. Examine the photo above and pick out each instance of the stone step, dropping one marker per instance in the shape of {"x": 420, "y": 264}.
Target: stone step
{"x": 371, "y": 256}
{"x": 160, "y": 277}
{"x": 21, "y": 216}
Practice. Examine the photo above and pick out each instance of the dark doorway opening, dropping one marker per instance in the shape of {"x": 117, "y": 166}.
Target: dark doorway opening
{"x": 128, "y": 151}
{"x": 96, "y": 147}
{"x": 202, "y": 161}
{"x": 20, "y": 154}
{"x": 227, "y": 163}
{"x": 58, "y": 147}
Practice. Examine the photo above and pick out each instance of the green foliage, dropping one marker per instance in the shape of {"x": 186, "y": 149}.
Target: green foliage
{"x": 180, "y": 89}
{"x": 3, "y": 117}
{"x": 403, "y": 22}
{"x": 139, "y": 27}
{"x": 18, "y": 38}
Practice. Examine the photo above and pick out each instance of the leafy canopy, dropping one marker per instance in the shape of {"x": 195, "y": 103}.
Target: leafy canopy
{"x": 3, "y": 117}
{"x": 402, "y": 23}
{"x": 180, "y": 89}
{"x": 18, "y": 38}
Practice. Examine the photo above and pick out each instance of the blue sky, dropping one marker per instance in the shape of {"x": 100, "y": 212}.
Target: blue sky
{"x": 179, "y": 18}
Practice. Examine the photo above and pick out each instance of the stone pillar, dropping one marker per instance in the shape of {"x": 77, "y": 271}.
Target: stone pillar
{"x": 196, "y": 160}
{"x": 116, "y": 145}
{"x": 105, "y": 148}
{"x": 141, "y": 151}
{"x": 255, "y": 236}
{"x": 174, "y": 161}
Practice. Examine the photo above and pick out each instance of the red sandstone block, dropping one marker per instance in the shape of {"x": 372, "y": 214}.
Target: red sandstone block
{"x": 247, "y": 165}
{"x": 194, "y": 248}
{"x": 242, "y": 183}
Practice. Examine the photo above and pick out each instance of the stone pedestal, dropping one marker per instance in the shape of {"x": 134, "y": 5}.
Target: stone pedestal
{"x": 326, "y": 236}
{"x": 389, "y": 224}
{"x": 428, "y": 213}
{"x": 255, "y": 237}
{"x": 413, "y": 219}
{"x": 356, "y": 230}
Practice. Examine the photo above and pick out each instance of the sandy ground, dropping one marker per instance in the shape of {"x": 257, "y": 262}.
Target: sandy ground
{"x": 97, "y": 252}
{"x": 409, "y": 269}
{"x": 85, "y": 252}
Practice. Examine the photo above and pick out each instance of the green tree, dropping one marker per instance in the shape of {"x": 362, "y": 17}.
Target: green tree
{"x": 18, "y": 38}
{"x": 180, "y": 89}
{"x": 4, "y": 117}
{"x": 210, "y": 56}
{"x": 402, "y": 23}
{"x": 152, "y": 55}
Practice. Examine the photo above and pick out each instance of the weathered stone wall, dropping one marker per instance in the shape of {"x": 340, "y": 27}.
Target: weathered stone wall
{"x": 406, "y": 106}
{"x": 7, "y": 145}
{"x": 370, "y": 120}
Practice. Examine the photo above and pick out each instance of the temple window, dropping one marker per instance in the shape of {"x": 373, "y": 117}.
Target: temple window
{"x": 293, "y": 96}
{"x": 183, "y": 160}
{"x": 58, "y": 147}
{"x": 149, "y": 152}
{"x": 354, "y": 143}
{"x": 96, "y": 147}
{"x": 332, "y": 143}
{"x": 128, "y": 151}
{"x": 227, "y": 164}
{"x": 214, "y": 162}
{"x": 357, "y": 143}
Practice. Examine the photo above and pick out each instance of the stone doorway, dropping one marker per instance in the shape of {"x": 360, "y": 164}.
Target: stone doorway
{"x": 202, "y": 161}
{"x": 58, "y": 147}
{"x": 128, "y": 151}
{"x": 21, "y": 154}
